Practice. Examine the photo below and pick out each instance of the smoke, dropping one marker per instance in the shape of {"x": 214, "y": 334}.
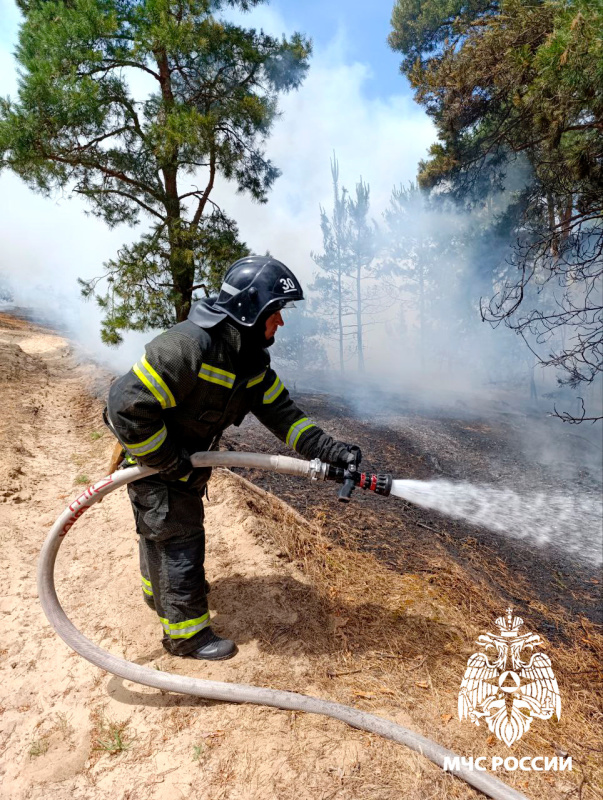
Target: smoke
{"x": 570, "y": 523}
{"x": 46, "y": 246}
{"x": 63, "y": 310}
{"x": 422, "y": 330}
{"x": 47, "y": 243}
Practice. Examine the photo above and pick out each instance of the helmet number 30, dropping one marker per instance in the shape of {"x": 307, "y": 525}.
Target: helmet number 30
{"x": 287, "y": 285}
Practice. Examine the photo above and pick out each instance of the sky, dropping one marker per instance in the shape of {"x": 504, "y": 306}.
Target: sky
{"x": 363, "y": 29}
{"x": 354, "y": 102}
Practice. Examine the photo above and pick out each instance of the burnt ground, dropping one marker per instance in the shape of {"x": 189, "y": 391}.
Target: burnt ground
{"x": 504, "y": 447}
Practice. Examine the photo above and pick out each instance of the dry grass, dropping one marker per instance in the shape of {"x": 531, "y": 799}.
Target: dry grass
{"x": 38, "y": 748}
{"x": 397, "y": 644}
{"x": 109, "y": 736}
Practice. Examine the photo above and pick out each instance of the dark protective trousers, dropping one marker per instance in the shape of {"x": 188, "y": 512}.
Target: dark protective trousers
{"x": 169, "y": 522}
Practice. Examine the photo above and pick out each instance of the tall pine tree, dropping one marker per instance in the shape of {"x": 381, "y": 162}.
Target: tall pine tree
{"x": 138, "y": 106}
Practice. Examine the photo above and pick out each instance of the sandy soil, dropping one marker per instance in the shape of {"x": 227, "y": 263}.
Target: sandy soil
{"x": 293, "y": 604}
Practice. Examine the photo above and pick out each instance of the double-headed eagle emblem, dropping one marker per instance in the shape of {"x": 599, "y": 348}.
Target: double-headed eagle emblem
{"x": 508, "y": 693}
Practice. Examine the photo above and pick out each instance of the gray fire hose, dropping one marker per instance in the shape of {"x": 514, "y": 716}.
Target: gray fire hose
{"x": 218, "y": 690}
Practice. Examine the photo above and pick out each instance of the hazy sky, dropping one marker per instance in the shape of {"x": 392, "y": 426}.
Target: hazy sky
{"x": 354, "y": 102}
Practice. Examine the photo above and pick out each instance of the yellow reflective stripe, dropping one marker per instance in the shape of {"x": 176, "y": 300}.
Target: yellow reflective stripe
{"x": 254, "y": 381}
{"x": 137, "y": 445}
{"x": 217, "y": 375}
{"x": 274, "y": 391}
{"x": 303, "y": 430}
{"x": 149, "y": 445}
{"x": 186, "y": 629}
{"x": 145, "y": 581}
{"x": 154, "y": 383}
{"x": 293, "y": 427}
{"x": 219, "y": 370}
{"x": 170, "y": 397}
{"x": 143, "y": 378}
{"x": 188, "y": 622}
{"x": 296, "y": 430}
{"x": 188, "y": 634}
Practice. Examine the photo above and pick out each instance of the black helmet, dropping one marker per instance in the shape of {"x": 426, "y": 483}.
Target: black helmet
{"x": 254, "y": 285}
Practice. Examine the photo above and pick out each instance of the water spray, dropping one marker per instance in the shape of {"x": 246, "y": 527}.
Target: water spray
{"x": 574, "y": 522}
{"x": 234, "y": 692}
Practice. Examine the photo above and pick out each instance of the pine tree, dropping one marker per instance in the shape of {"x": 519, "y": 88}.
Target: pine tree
{"x": 138, "y": 106}
{"x": 363, "y": 250}
{"x": 332, "y": 283}
{"x": 515, "y": 86}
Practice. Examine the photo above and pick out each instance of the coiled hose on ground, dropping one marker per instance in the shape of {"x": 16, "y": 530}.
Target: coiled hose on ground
{"x": 217, "y": 690}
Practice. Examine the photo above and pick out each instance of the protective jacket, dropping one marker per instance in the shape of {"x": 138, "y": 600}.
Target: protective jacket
{"x": 196, "y": 379}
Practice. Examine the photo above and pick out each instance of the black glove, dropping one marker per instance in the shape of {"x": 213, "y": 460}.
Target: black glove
{"x": 181, "y": 467}
{"x": 346, "y": 454}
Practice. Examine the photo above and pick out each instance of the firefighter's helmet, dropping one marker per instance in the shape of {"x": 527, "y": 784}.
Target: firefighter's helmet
{"x": 256, "y": 285}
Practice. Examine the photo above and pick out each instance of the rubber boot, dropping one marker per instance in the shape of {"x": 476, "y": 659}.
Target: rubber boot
{"x": 213, "y": 648}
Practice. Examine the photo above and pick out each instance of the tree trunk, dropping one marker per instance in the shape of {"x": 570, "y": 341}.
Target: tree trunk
{"x": 183, "y": 282}
{"x": 182, "y": 269}
{"x": 422, "y": 316}
{"x": 359, "y": 316}
{"x": 340, "y": 318}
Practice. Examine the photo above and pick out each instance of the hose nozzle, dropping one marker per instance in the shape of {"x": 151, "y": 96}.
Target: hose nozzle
{"x": 351, "y": 479}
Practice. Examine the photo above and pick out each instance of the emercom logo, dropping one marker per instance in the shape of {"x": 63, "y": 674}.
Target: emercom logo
{"x": 513, "y": 689}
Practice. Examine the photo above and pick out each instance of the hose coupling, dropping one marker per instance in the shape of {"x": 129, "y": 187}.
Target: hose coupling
{"x": 317, "y": 469}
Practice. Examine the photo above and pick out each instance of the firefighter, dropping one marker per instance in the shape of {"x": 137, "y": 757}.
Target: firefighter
{"x": 193, "y": 381}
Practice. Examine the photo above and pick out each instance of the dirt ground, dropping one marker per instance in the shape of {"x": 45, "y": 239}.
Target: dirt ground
{"x": 308, "y": 615}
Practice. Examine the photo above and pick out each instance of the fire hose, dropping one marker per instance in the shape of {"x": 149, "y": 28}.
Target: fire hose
{"x": 233, "y": 692}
